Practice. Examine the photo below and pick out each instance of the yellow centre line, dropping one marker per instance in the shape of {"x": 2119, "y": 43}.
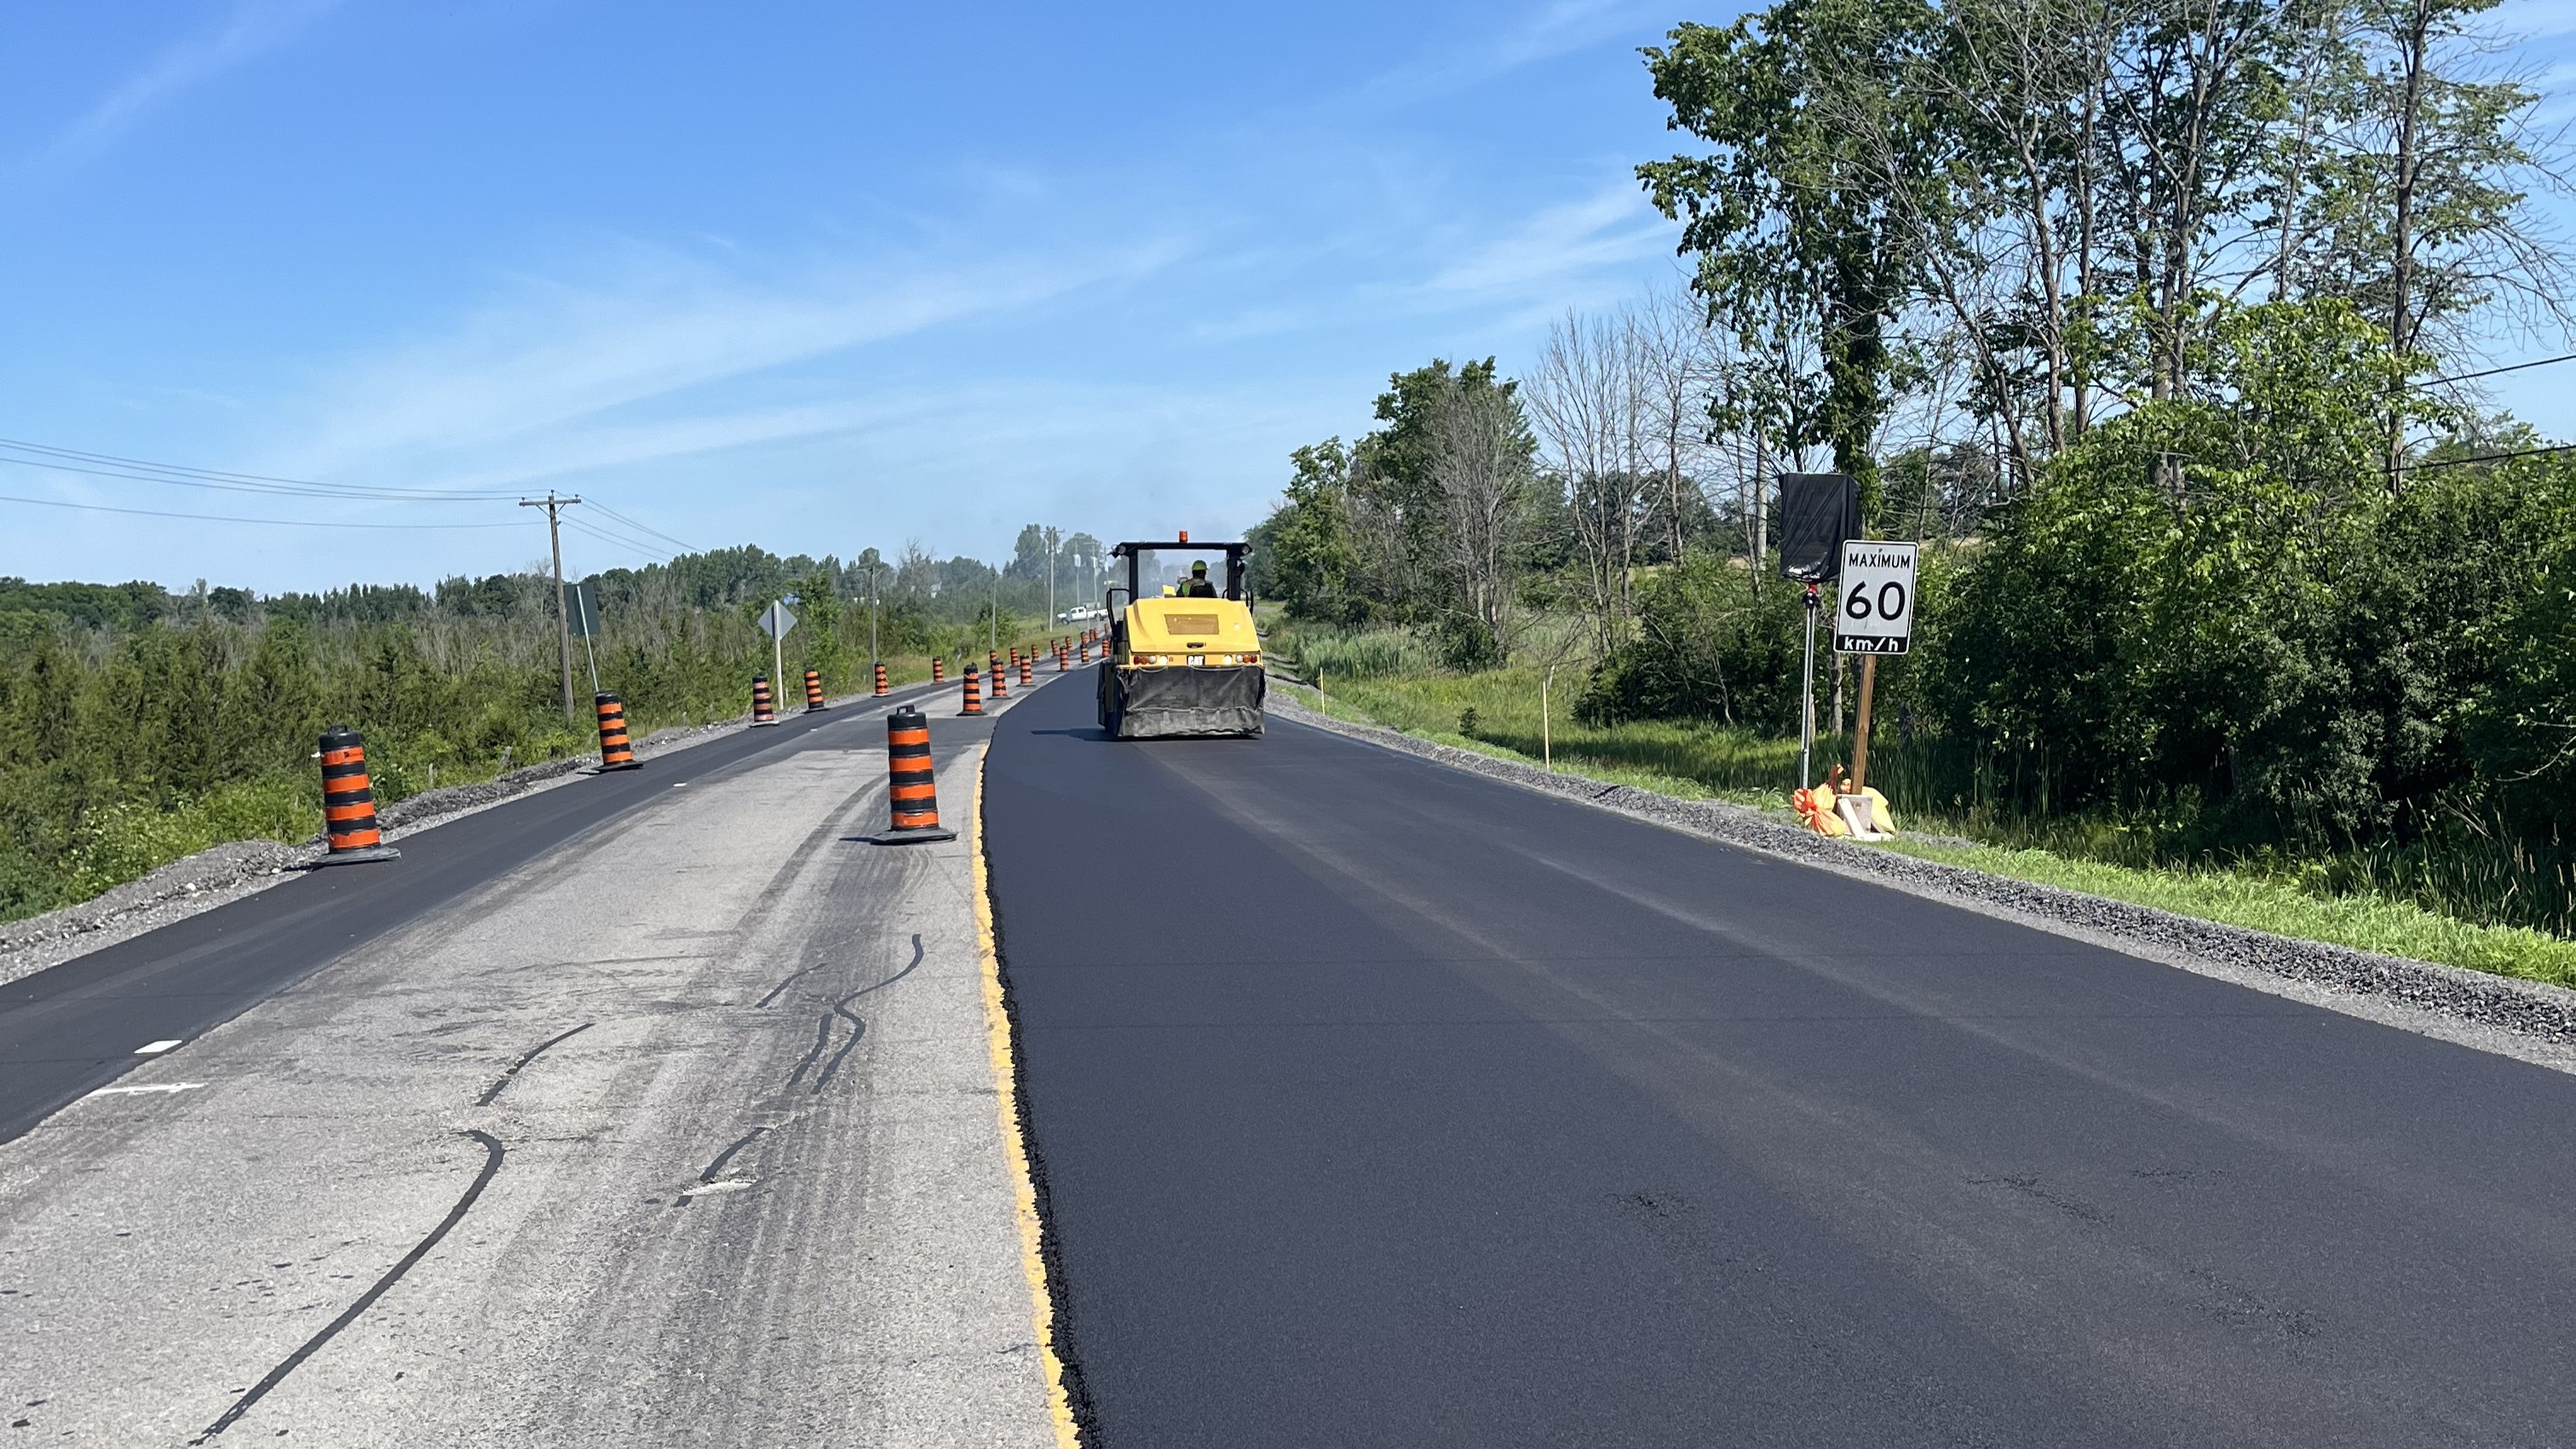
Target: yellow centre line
{"x": 1024, "y": 1192}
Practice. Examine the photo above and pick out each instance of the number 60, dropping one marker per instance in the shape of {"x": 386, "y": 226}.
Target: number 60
{"x": 1891, "y": 601}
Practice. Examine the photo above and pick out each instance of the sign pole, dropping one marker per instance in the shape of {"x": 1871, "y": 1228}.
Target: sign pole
{"x": 1546, "y": 744}
{"x": 1860, "y": 726}
{"x": 775, "y": 621}
{"x": 1807, "y": 701}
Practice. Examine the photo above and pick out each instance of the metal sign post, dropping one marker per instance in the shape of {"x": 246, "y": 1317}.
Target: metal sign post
{"x": 581, "y": 611}
{"x": 1807, "y": 701}
{"x": 1875, "y": 617}
{"x": 775, "y": 621}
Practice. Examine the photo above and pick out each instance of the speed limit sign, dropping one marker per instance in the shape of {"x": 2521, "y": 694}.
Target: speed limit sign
{"x": 1874, "y": 599}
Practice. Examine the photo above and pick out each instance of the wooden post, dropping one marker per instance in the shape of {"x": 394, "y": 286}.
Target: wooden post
{"x": 1546, "y": 744}
{"x": 1860, "y": 727}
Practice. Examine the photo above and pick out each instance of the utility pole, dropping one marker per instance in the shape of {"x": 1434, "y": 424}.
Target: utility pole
{"x": 993, "y": 620}
{"x": 563, "y": 623}
{"x": 1054, "y": 540}
{"x": 872, "y": 617}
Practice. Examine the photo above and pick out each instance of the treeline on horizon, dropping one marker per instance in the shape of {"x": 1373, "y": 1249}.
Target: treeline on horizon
{"x": 2141, "y": 316}
{"x": 139, "y": 724}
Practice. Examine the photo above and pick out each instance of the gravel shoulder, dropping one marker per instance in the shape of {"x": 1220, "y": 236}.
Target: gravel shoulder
{"x": 2526, "y": 1020}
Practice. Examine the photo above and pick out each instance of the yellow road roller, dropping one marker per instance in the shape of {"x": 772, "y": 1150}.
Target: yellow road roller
{"x": 1184, "y": 661}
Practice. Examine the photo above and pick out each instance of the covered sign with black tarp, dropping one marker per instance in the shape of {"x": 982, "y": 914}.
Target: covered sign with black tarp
{"x": 1818, "y": 511}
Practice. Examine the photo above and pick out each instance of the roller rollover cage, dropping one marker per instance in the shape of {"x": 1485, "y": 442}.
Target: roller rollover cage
{"x": 1181, "y": 665}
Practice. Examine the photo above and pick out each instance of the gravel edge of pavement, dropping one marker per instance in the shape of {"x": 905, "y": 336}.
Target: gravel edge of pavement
{"x": 2523, "y": 1019}
{"x": 222, "y": 874}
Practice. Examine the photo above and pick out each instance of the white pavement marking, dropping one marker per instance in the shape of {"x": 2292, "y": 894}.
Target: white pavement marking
{"x": 155, "y": 1048}
{"x": 137, "y": 1091}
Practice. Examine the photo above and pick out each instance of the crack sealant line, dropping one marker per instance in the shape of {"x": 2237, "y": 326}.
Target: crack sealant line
{"x": 1006, "y": 1096}
{"x": 493, "y": 1092}
{"x": 492, "y": 1154}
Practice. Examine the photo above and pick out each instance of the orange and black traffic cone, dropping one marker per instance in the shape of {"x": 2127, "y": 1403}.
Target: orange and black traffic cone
{"x": 1027, "y": 667}
{"x": 911, "y": 788}
{"x": 1000, "y": 685}
{"x": 881, "y": 679}
{"x": 938, "y": 670}
{"x": 974, "y": 695}
{"x": 615, "y": 753}
{"x": 762, "y": 712}
{"x": 813, "y": 690}
{"x": 349, "y": 801}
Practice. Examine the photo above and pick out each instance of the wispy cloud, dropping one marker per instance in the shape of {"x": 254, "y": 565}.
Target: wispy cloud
{"x": 253, "y": 27}
{"x": 1608, "y": 229}
{"x": 557, "y": 377}
{"x": 2535, "y": 19}
{"x": 1539, "y": 34}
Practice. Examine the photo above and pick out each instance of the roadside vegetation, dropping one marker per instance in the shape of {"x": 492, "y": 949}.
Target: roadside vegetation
{"x": 1496, "y": 712}
{"x": 2236, "y": 595}
{"x": 138, "y": 726}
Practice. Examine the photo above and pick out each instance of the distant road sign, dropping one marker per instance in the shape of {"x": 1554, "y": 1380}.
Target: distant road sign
{"x": 775, "y": 621}
{"x": 1874, "y": 609}
{"x": 581, "y": 609}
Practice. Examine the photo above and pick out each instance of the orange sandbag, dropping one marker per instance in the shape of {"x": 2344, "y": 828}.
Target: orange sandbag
{"x": 1816, "y": 810}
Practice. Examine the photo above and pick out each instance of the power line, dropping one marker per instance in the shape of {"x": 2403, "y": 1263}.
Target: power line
{"x": 682, "y": 544}
{"x": 48, "y": 457}
{"x": 230, "y": 518}
{"x": 54, "y": 459}
{"x": 618, "y": 541}
{"x": 258, "y": 488}
{"x": 2490, "y": 458}
{"x": 2495, "y": 371}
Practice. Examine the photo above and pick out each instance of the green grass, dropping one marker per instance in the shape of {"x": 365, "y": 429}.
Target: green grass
{"x": 1707, "y": 762}
{"x": 123, "y": 842}
{"x": 2365, "y": 922}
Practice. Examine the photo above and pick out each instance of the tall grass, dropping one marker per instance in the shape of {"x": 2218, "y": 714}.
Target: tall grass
{"x": 124, "y": 747}
{"x": 1378, "y": 654}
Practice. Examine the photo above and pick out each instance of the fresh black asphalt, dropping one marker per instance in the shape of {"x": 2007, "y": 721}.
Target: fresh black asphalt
{"x": 1377, "y": 1104}
{"x": 73, "y": 1028}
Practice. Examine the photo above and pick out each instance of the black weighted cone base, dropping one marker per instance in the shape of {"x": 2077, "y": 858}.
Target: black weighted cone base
{"x": 629, "y": 765}
{"x": 359, "y": 856}
{"x": 759, "y": 724}
{"x": 913, "y": 835}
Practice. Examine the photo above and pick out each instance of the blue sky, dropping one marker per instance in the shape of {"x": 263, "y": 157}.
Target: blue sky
{"x": 815, "y": 276}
